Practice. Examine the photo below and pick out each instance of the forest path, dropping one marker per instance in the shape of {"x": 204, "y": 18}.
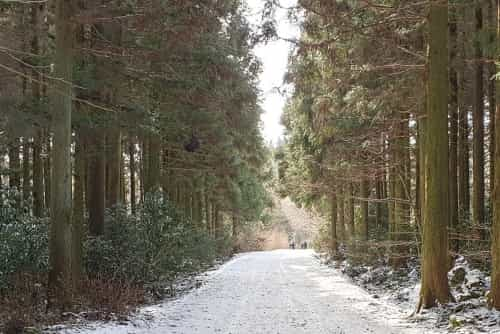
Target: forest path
{"x": 275, "y": 292}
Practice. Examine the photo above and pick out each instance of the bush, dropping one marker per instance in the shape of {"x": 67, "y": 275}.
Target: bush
{"x": 154, "y": 245}
{"x": 23, "y": 239}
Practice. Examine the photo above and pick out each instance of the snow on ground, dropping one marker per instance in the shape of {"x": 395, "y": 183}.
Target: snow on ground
{"x": 469, "y": 314}
{"x": 276, "y": 292}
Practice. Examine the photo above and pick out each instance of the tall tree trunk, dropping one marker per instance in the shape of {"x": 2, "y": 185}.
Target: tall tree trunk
{"x": 350, "y": 210}
{"x": 61, "y": 229}
{"x": 208, "y": 213}
{"x": 132, "y": 167}
{"x": 436, "y": 216}
{"x": 114, "y": 161}
{"x": 333, "y": 225}
{"x": 26, "y": 184}
{"x": 78, "y": 207}
{"x": 365, "y": 194}
{"x": 96, "y": 186}
{"x": 154, "y": 164}
{"x": 492, "y": 30}
{"x": 401, "y": 187}
{"x": 38, "y": 191}
{"x": 453, "y": 123}
{"x": 392, "y": 176}
{"x": 494, "y": 298}
{"x": 378, "y": 206}
{"x": 218, "y": 224}
{"x": 235, "y": 231}
{"x": 463, "y": 116}
{"x": 144, "y": 168}
{"x": 14, "y": 165}
{"x": 36, "y": 88}
{"x": 47, "y": 169}
{"x": 421, "y": 174}
{"x": 341, "y": 214}
{"x": 478, "y": 124}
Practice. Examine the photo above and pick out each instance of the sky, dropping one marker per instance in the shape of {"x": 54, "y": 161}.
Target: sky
{"x": 274, "y": 57}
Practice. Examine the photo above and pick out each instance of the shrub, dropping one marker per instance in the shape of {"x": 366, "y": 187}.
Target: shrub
{"x": 23, "y": 239}
{"x": 154, "y": 245}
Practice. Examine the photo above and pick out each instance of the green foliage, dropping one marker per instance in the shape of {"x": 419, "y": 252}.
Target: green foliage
{"x": 23, "y": 239}
{"x": 155, "y": 245}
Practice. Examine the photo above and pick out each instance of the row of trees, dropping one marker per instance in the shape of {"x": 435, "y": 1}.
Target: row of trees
{"x": 391, "y": 125}
{"x": 104, "y": 102}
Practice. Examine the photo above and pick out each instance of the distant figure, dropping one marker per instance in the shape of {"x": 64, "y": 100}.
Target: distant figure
{"x": 304, "y": 245}
{"x": 292, "y": 245}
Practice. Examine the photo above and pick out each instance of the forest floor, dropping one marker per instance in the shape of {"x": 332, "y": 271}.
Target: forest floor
{"x": 282, "y": 291}
{"x": 469, "y": 313}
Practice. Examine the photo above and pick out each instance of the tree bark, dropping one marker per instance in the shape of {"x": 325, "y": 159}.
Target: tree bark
{"x": 333, "y": 225}
{"x": 341, "y": 214}
{"x": 453, "y": 115}
{"x": 436, "y": 216}
{"x": 114, "y": 161}
{"x": 478, "y": 125}
{"x": 492, "y": 29}
{"x": 365, "y": 194}
{"x": 132, "y": 167}
{"x": 14, "y": 165}
{"x": 61, "y": 227}
{"x": 26, "y": 184}
{"x": 96, "y": 182}
{"x": 350, "y": 210}
{"x": 463, "y": 117}
{"x": 36, "y": 88}
{"x": 78, "y": 208}
{"x": 154, "y": 165}
{"x": 38, "y": 191}
{"x": 494, "y": 298}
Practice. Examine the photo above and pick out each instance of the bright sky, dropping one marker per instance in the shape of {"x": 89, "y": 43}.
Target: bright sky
{"x": 274, "y": 57}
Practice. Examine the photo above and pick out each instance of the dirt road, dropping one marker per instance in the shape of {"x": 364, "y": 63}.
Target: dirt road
{"x": 276, "y": 292}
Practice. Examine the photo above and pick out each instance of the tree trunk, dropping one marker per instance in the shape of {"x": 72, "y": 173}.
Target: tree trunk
{"x": 453, "y": 114}
{"x": 144, "y": 168}
{"x": 333, "y": 225}
{"x": 208, "y": 214}
{"x": 378, "y": 206}
{"x": 47, "y": 170}
{"x": 341, "y": 214}
{"x": 78, "y": 208}
{"x": 154, "y": 165}
{"x": 114, "y": 161}
{"x": 96, "y": 182}
{"x": 350, "y": 210}
{"x": 36, "y": 88}
{"x": 61, "y": 229}
{"x": 38, "y": 193}
{"x": 478, "y": 125}
{"x": 436, "y": 216}
{"x": 235, "y": 232}
{"x": 218, "y": 226}
{"x": 14, "y": 165}
{"x": 463, "y": 116}
{"x": 492, "y": 29}
{"x": 365, "y": 194}
{"x": 132, "y": 167}
{"x": 26, "y": 185}
{"x": 494, "y": 298}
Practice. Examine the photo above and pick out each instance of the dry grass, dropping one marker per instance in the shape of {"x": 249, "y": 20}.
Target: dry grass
{"x": 25, "y": 303}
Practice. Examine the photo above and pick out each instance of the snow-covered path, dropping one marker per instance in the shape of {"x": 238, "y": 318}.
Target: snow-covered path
{"x": 277, "y": 292}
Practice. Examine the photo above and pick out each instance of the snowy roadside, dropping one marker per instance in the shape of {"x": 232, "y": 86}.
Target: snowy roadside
{"x": 469, "y": 314}
{"x": 143, "y": 315}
